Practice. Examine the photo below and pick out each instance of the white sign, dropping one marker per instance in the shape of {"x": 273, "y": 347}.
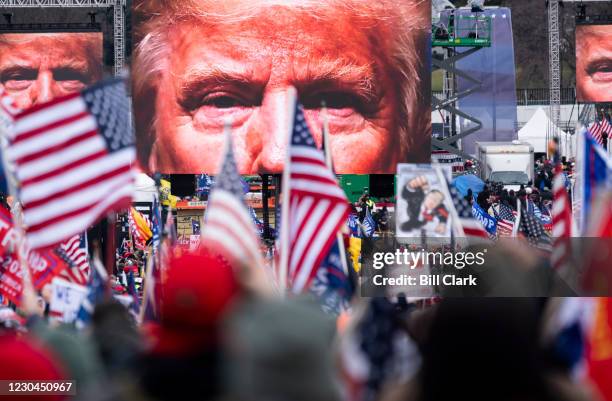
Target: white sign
{"x": 423, "y": 205}
{"x": 194, "y": 242}
{"x": 66, "y": 299}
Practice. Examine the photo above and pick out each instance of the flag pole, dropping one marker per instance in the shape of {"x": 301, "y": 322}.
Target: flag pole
{"x": 517, "y": 220}
{"x": 147, "y": 287}
{"x": 284, "y": 233}
{"x": 329, "y": 163}
{"x": 110, "y": 243}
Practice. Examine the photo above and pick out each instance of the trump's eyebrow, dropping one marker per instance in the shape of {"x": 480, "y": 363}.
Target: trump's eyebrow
{"x": 336, "y": 74}
{"x": 200, "y": 78}
{"x": 15, "y": 63}
{"x": 314, "y": 75}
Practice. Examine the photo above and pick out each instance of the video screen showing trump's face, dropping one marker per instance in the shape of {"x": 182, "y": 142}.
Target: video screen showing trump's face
{"x": 38, "y": 67}
{"x": 594, "y": 63}
{"x": 198, "y": 63}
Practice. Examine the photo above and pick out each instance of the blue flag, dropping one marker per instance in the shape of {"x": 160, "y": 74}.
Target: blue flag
{"x": 258, "y": 223}
{"x": 195, "y": 227}
{"x": 369, "y": 225}
{"x": 205, "y": 182}
{"x": 331, "y": 285}
{"x": 596, "y": 172}
{"x": 131, "y": 287}
{"x": 353, "y": 225}
{"x": 489, "y": 223}
{"x": 95, "y": 295}
{"x": 155, "y": 222}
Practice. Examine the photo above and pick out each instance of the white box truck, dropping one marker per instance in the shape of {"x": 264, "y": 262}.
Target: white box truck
{"x": 510, "y": 163}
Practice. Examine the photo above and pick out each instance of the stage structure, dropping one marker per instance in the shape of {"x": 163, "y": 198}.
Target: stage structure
{"x": 118, "y": 7}
{"x": 452, "y": 31}
{"x": 554, "y": 69}
{"x": 588, "y": 112}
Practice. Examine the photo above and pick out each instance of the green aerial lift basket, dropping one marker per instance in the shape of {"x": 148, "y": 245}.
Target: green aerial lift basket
{"x": 462, "y": 31}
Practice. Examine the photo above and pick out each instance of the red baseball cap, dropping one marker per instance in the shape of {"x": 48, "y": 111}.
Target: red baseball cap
{"x": 198, "y": 290}
{"x": 23, "y": 359}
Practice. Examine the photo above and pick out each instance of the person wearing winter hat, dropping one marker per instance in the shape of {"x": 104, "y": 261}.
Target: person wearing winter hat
{"x": 279, "y": 350}
{"x": 23, "y": 359}
{"x": 183, "y": 360}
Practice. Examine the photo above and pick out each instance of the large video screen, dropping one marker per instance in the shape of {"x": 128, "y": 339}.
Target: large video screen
{"x": 198, "y": 63}
{"x": 37, "y": 67}
{"x": 594, "y": 63}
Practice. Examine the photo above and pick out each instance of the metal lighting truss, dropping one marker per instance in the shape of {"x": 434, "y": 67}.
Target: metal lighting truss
{"x": 118, "y": 18}
{"x": 554, "y": 68}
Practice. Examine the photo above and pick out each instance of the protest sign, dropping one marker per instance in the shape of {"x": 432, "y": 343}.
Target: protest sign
{"x": 422, "y": 204}
{"x": 66, "y": 299}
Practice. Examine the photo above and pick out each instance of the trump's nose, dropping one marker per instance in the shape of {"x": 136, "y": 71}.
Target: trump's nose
{"x": 43, "y": 89}
{"x": 273, "y": 127}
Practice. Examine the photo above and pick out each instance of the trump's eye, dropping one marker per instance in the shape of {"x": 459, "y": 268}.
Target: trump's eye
{"x": 212, "y": 107}
{"x": 338, "y": 103}
{"x": 223, "y": 101}
{"x": 600, "y": 70}
{"x": 18, "y": 78}
{"x": 70, "y": 79}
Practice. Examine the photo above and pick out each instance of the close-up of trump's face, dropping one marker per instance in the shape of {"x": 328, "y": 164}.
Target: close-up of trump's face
{"x": 199, "y": 63}
{"x": 38, "y": 67}
{"x": 594, "y": 63}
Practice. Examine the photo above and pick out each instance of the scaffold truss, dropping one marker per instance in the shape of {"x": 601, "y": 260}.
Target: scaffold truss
{"x": 449, "y": 102}
{"x": 118, "y": 19}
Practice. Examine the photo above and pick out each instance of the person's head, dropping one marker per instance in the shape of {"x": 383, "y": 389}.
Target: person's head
{"x": 24, "y": 358}
{"x": 594, "y": 63}
{"x": 38, "y": 67}
{"x": 502, "y": 332}
{"x": 433, "y": 199}
{"x": 200, "y": 62}
{"x": 198, "y": 291}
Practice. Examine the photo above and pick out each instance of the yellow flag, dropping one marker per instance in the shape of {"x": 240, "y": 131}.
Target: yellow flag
{"x": 355, "y": 252}
{"x": 165, "y": 196}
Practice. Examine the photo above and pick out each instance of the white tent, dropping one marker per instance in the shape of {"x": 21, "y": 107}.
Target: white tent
{"x": 144, "y": 188}
{"x": 534, "y": 133}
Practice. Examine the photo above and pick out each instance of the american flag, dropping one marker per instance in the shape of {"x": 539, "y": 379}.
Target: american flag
{"x": 73, "y": 158}
{"x": 533, "y": 231}
{"x": 505, "y": 220}
{"x": 229, "y": 226}
{"x": 597, "y": 128}
{"x": 562, "y": 221}
{"x": 471, "y": 227}
{"x": 74, "y": 253}
{"x": 317, "y": 206}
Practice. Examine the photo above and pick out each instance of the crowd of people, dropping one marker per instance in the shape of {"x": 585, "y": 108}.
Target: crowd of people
{"x": 222, "y": 338}
{"x": 536, "y": 197}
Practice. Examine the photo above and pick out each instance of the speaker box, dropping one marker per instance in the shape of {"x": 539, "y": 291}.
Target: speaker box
{"x": 382, "y": 185}
{"x": 183, "y": 184}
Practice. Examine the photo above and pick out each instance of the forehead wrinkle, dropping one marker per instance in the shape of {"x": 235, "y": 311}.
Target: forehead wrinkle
{"x": 337, "y": 70}
{"x": 73, "y": 62}
{"x": 215, "y": 73}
